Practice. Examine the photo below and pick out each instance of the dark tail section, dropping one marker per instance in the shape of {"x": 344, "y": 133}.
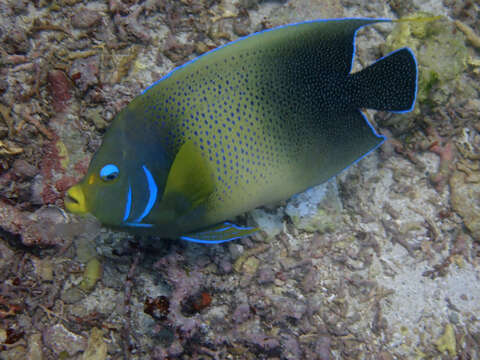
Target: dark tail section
{"x": 388, "y": 84}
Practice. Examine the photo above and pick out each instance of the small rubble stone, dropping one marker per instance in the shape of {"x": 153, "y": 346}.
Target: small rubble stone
{"x": 322, "y": 348}
{"x": 263, "y": 341}
{"x": 270, "y": 224}
{"x": 249, "y": 4}
{"x": 7, "y": 257}
{"x": 19, "y": 7}
{"x": 241, "y": 313}
{"x": 289, "y": 307}
{"x": 17, "y": 353}
{"x": 317, "y": 209}
{"x": 241, "y": 26}
{"x": 225, "y": 265}
{"x": 175, "y": 349}
{"x": 59, "y": 339}
{"x": 42, "y": 228}
{"x": 292, "y": 348}
{"x": 3, "y": 86}
{"x": 23, "y": 169}
{"x": 201, "y": 47}
{"x": 465, "y": 199}
{"x": 85, "y": 72}
{"x": 86, "y": 19}
{"x": 15, "y": 221}
{"x": 43, "y": 268}
{"x": 95, "y": 116}
{"x": 250, "y": 265}
{"x": 265, "y": 275}
{"x": 236, "y": 250}
{"x": 16, "y": 41}
{"x": 453, "y": 317}
{"x": 72, "y": 295}
{"x": 34, "y": 349}
{"x": 85, "y": 249}
{"x": 384, "y": 355}
{"x": 97, "y": 347}
{"x": 112, "y": 277}
{"x": 219, "y": 313}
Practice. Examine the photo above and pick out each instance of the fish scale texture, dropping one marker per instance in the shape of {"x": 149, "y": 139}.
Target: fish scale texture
{"x": 248, "y": 124}
{"x": 261, "y": 115}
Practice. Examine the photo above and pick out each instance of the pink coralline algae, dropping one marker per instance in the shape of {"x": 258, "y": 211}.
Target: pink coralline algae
{"x": 50, "y": 168}
{"x": 60, "y": 89}
{"x": 33, "y": 229}
{"x": 446, "y": 151}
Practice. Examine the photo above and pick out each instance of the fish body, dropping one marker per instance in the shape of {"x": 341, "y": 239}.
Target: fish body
{"x": 248, "y": 124}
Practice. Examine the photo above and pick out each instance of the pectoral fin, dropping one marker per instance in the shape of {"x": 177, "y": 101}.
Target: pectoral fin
{"x": 189, "y": 181}
{"x": 220, "y": 233}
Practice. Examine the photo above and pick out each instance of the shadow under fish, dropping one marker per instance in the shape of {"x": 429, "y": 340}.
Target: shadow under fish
{"x": 250, "y": 123}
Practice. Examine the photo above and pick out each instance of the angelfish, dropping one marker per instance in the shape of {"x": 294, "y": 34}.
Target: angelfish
{"x": 250, "y": 123}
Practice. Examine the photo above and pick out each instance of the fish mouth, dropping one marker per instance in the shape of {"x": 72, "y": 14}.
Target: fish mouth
{"x": 74, "y": 200}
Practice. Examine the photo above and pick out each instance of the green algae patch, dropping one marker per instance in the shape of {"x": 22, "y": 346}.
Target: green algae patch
{"x": 465, "y": 200}
{"x": 92, "y": 273}
{"x": 250, "y": 265}
{"x": 97, "y": 347}
{"x": 62, "y": 154}
{"x": 94, "y": 115}
{"x": 248, "y": 257}
{"x": 447, "y": 341}
{"x": 441, "y": 54}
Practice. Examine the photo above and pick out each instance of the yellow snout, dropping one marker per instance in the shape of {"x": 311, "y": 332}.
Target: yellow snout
{"x": 75, "y": 200}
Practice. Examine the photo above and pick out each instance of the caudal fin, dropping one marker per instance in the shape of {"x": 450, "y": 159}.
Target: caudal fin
{"x": 388, "y": 84}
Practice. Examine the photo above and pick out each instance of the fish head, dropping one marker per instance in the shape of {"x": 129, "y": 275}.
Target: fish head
{"x": 125, "y": 178}
{"x": 99, "y": 192}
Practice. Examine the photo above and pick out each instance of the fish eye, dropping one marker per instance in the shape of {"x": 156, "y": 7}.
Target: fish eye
{"x": 109, "y": 172}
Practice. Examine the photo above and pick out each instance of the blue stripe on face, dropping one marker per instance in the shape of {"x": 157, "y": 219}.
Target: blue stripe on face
{"x": 128, "y": 205}
{"x": 152, "y": 194}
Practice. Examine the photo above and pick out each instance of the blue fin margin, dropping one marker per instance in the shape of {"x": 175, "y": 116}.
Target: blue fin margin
{"x": 220, "y": 234}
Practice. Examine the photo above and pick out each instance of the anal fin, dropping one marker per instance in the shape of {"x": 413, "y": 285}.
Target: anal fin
{"x": 220, "y": 233}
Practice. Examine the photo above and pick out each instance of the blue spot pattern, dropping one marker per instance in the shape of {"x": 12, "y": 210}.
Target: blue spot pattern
{"x": 255, "y": 112}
